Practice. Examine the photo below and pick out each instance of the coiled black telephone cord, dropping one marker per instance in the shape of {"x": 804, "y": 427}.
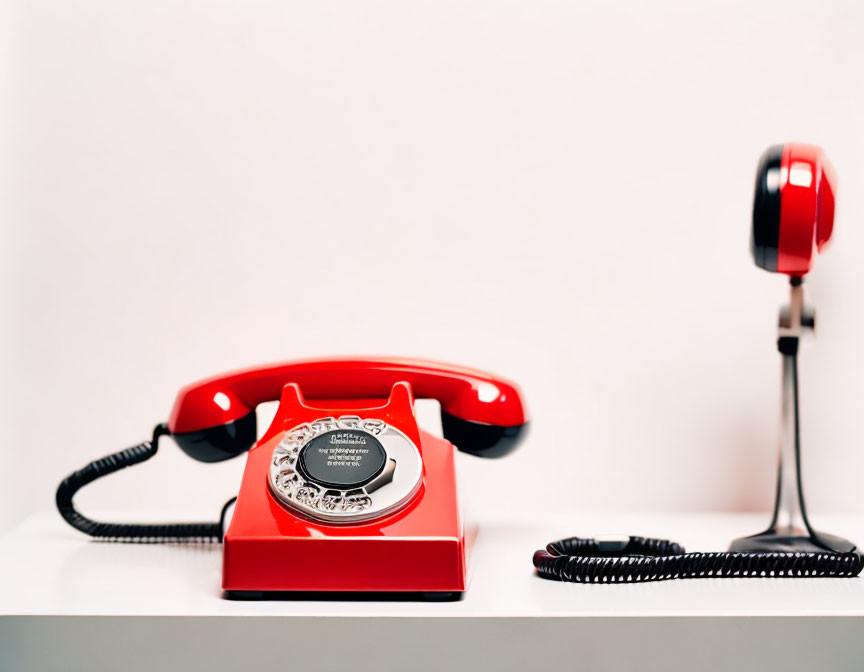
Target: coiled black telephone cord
{"x": 196, "y": 532}
{"x": 641, "y": 559}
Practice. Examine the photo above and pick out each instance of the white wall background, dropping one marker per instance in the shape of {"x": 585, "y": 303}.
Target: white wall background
{"x": 556, "y": 191}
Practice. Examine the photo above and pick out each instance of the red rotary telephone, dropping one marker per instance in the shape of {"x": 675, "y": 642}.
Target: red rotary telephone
{"x": 343, "y": 492}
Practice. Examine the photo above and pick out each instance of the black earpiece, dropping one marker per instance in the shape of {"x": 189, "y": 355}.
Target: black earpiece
{"x": 216, "y": 444}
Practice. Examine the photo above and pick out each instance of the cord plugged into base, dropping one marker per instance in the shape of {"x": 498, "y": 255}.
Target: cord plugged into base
{"x": 140, "y": 532}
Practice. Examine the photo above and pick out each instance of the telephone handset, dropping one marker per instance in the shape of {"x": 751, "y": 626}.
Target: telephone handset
{"x": 214, "y": 419}
{"x": 343, "y": 471}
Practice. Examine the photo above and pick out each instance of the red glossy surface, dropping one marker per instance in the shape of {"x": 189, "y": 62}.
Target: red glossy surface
{"x": 807, "y": 188}
{"x": 418, "y": 548}
{"x": 466, "y": 393}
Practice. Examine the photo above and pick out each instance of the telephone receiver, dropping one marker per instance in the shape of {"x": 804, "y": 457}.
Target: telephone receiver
{"x": 214, "y": 419}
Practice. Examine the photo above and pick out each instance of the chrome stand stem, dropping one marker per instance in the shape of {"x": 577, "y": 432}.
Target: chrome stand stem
{"x": 790, "y": 516}
{"x": 790, "y": 530}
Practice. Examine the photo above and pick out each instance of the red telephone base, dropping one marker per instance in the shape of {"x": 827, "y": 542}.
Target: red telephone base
{"x": 420, "y": 548}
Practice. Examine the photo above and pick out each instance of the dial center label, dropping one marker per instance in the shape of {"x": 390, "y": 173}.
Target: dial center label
{"x": 344, "y": 458}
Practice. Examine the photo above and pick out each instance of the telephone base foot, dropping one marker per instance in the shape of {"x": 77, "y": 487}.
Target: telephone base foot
{"x": 244, "y": 594}
{"x": 442, "y": 597}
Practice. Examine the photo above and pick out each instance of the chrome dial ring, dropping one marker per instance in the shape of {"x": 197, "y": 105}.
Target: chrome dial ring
{"x": 390, "y": 489}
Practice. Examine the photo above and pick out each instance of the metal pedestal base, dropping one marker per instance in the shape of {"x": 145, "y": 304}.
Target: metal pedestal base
{"x": 798, "y": 541}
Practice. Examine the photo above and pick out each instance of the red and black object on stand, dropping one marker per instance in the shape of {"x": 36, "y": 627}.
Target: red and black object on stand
{"x": 793, "y": 218}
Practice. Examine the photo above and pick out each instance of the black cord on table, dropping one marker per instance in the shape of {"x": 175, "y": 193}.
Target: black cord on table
{"x": 641, "y": 559}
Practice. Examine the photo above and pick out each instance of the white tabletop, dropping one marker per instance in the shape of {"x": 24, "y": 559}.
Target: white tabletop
{"x": 56, "y": 585}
